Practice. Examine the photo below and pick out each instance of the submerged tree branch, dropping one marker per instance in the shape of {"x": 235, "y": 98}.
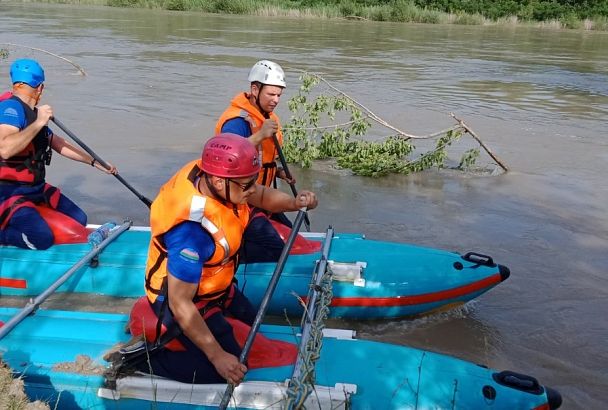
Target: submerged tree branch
{"x": 370, "y": 115}
{"x": 79, "y": 68}
{"x": 483, "y": 145}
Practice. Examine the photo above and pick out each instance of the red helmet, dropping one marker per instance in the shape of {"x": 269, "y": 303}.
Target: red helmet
{"x": 230, "y": 156}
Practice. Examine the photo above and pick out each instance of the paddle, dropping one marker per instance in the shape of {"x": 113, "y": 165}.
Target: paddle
{"x": 266, "y": 300}
{"x": 101, "y": 161}
{"x": 288, "y": 175}
{"x": 32, "y": 305}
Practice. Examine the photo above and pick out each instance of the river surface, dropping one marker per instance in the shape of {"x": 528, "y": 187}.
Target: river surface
{"x": 157, "y": 81}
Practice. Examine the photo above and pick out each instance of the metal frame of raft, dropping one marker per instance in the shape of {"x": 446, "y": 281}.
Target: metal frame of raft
{"x": 313, "y": 321}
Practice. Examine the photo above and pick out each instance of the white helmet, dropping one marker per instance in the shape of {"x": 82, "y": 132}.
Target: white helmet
{"x": 267, "y": 73}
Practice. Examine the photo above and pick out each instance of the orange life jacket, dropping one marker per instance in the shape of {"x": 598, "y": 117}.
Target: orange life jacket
{"x": 28, "y": 166}
{"x": 179, "y": 200}
{"x": 241, "y": 107}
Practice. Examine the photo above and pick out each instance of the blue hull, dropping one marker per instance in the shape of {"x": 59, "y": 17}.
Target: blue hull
{"x": 366, "y": 374}
{"x": 378, "y": 279}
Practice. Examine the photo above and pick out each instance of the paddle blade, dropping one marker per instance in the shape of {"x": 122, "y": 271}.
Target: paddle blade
{"x": 65, "y": 229}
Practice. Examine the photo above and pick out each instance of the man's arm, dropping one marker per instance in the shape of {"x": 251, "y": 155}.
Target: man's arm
{"x": 189, "y": 319}
{"x": 243, "y": 125}
{"x": 188, "y": 248}
{"x": 267, "y": 130}
{"x": 275, "y": 201}
{"x": 239, "y": 126}
{"x": 12, "y": 139}
{"x": 61, "y": 146}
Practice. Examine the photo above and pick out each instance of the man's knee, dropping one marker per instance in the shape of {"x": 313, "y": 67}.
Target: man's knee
{"x": 27, "y": 229}
{"x": 40, "y": 240}
{"x": 261, "y": 242}
{"x": 80, "y": 217}
{"x": 69, "y": 208}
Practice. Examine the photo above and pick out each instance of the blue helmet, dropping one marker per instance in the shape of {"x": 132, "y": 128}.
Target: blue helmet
{"x": 27, "y": 71}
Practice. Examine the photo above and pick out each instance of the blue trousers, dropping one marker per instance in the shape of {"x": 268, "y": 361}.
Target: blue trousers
{"x": 26, "y": 228}
{"x": 191, "y": 365}
{"x": 261, "y": 242}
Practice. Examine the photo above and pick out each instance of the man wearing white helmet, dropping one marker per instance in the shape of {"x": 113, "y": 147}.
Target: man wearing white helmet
{"x": 251, "y": 115}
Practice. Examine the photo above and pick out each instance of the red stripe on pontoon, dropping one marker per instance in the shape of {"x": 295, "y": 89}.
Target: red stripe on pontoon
{"x": 419, "y": 299}
{"x": 13, "y": 283}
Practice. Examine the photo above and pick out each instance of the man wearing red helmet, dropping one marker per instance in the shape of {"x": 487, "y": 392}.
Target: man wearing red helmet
{"x": 197, "y": 222}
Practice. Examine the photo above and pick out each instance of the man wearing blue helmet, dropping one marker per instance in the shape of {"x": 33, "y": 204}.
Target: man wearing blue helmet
{"x": 26, "y": 144}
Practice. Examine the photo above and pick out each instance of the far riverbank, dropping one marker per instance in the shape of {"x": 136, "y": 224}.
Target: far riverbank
{"x": 543, "y": 14}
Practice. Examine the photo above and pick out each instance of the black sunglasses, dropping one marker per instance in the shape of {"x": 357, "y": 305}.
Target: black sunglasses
{"x": 246, "y": 185}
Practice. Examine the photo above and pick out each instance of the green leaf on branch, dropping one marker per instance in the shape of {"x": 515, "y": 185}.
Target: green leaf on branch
{"x": 468, "y": 159}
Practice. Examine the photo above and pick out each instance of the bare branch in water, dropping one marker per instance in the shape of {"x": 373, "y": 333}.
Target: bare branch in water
{"x": 476, "y": 138}
{"x": 79, "y": 68}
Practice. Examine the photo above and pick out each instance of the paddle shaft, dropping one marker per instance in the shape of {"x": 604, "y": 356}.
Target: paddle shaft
{"x": 101, "y": 161}
{"x": 32, "y": 305}
{"x": 274, "y": 280}
{"x": 288, "y": 175}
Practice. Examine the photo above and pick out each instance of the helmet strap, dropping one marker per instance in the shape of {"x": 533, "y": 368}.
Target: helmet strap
{"x": 213, "y": 191}
{"x": 217, "y": 195}
{"x": 227, "y": 188}
{"x": 257, "y": 100}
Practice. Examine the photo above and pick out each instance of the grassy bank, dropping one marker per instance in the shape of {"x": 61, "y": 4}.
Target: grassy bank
{"x": 12, "y": 395}
{"x": 571, "y": 14}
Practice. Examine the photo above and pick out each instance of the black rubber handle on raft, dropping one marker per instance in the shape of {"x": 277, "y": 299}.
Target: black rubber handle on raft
{"x": 101, "y": 161}
{"x": 479, "y": 259}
